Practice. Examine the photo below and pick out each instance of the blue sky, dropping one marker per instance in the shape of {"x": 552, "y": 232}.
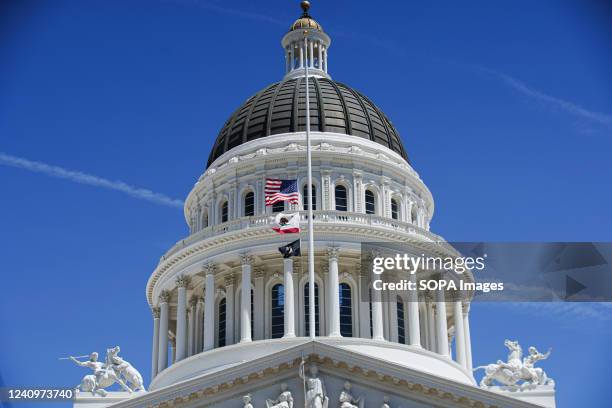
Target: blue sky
{"x": 505, "y": 109}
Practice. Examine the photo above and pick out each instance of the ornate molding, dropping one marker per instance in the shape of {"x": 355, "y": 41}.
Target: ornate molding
{"x": 246, "y": 259}
{"x": 229, "y": 280}
{"x": 155, "y": 311}
{"x": 333, "y": 252}
{"x": 209, "y": 268}
{"x": 182, "y": 281}
{"x": 193, "y": 301}
{"x": 164, "y": 296}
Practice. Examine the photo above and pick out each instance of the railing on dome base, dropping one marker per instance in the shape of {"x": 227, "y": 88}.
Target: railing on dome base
{"x": 320, "y": 217}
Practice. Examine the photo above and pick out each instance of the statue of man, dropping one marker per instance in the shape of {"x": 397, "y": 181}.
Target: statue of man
{"x": 347, "y": 400}
{"x": 93, "y": 363}
{"x": 315, "y": 394}
{"x": 532, "y": 374}
{"x": 284, "y": 400}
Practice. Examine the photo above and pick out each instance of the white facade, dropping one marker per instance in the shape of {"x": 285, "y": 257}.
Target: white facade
{"x": 219, "y": 329}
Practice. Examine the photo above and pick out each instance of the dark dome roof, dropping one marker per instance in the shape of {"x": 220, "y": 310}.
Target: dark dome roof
{"x": 280, "y": 108}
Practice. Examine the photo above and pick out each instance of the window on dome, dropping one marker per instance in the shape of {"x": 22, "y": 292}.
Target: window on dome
{"x": 346, "y": 310}
{"x": 224, "y": 211}
{"x": 249, "y": 204}
{"x": 205, "y": 218}
{"x": 305, "y": 197}
{"x": 222, "y": 323}
{"x": 278, "y": 311}
{"x": 394, "y": 209}
{"x": 413, "y": 215}
{"x": 401, "y": 324}
{"x": 341, "y": 200}
{"x": 307, "y": 309}
{"x": 278, "y": 206}
{"x": 370, "y": 202}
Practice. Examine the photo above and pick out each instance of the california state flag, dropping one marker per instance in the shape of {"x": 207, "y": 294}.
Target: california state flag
{"x": 287, "y": 223}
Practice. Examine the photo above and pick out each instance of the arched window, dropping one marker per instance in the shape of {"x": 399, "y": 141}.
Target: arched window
{"x": 394, "y": 209}
{"x": 370, "y": 202}
{"x": 278, "y": 311}
{"x": 401, "y": 324}
{"x": 249, "y": 204}
{"x": 205, "y": 218}
{"x": 341, "y": 198}
{"x": 224, "y": 211}
{"x": 222, "y": 322}
{"x": 278, "y": 206}
{"x": 314, "y": 197}
{"x": 307, "y": 309}
{"x": 346, "y": 310}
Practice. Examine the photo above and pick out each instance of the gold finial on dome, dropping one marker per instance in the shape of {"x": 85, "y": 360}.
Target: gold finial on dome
{"x": 305, "y": 20}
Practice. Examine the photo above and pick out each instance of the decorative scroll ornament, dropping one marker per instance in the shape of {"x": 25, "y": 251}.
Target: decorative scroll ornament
{"x": 114, "y": 370}
{"x": 517, "y": 371}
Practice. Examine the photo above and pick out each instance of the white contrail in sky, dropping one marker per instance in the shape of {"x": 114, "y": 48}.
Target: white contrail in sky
{"x": 562, "y": 104}
{"x": 89, "y": 179}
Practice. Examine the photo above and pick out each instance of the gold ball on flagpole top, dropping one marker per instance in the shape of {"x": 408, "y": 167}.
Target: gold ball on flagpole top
{"x": 305, "y": 6}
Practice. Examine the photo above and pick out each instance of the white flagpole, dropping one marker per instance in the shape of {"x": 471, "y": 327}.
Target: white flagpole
{"x": 311, "y": 274}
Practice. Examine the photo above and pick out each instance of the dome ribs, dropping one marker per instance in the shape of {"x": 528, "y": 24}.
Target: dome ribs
{"x": 252, "y": 107}
{"x": 348, "y": 127}
{"x": 280, "y": 108}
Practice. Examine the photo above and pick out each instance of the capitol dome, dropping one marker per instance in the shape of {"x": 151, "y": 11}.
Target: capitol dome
{"x": 280, "y": 108}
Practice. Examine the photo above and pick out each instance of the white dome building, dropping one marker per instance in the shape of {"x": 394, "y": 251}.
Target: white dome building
{"x": 230, "y": 315}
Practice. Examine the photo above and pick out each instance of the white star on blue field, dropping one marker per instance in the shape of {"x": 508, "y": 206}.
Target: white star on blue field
{"x": 108, "y": 111}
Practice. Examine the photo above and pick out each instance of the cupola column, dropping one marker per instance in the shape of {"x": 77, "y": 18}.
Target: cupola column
{"x": 320, "y": 56}
{"x": 311, "y": 54}
{"x": 181, "y": 318}
{"x": 155, "y": 348}
{"x": 162, "y": 361}
{"x": 334, "y": 293}
{"x": 301, "y": 57}
{"x": 245, "y": 301}
{"x": 209, "y": 307}
{"x": 289, "y": 310}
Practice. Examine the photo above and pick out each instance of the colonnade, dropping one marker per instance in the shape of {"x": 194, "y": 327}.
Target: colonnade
{"x": 315, "y": 56}
{"x": 426, "y": 317}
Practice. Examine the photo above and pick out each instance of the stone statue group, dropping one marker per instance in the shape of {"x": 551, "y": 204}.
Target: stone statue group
{"x": 114, "y": 370}
{"x": 516, "y": 370}
{"x": 315, "y": 395}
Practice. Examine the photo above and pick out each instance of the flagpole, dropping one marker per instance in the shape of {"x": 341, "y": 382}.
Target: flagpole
{"x": 311, "y": 275}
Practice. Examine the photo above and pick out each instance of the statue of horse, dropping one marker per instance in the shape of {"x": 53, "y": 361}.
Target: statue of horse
{"x": 506, "y": 373}
{"x": 125, "y": 369}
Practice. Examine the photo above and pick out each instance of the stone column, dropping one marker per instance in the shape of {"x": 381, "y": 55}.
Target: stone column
{"x": 433, "y": 346}
{"x": 320, "y": 56}
{"x": 245, "y": 302}
{"x": 199, "y": 324}
{"x": 460, "y": 342}
{"x": 357, "y": 193}
{"x": 364, "y": 306}
{"x": 289, "y": 298}
{"x": 162, "y": 355}
{"x": 326, "y": 202}
{"x": 468, "y": 341}
{"x": 229, "y": 309}
{"x": 155, "y": 348}
{"x": 311, "y": 54}
{"x": 258, "y": 304}
{"x": 334, "y": 293}
{"x": 292, "y": 57}
{"x": 209, "y": 307}
{"x": 193, "y": 303}
{"x": 414, "y": 325}
{"x": 391, "y": 301}
{"x": 325, "y": 60}
{"x": 441, "y": 324}
{"x": 301, "y": 45}
{"x": 181, "y": 318}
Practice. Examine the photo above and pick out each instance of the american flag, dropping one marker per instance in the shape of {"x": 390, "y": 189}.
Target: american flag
{"x": 281, "y": 190}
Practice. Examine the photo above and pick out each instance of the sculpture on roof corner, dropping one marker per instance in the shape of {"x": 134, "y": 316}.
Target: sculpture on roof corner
{"x": 114, "y": 370}
{"x": 517, "y": 372}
